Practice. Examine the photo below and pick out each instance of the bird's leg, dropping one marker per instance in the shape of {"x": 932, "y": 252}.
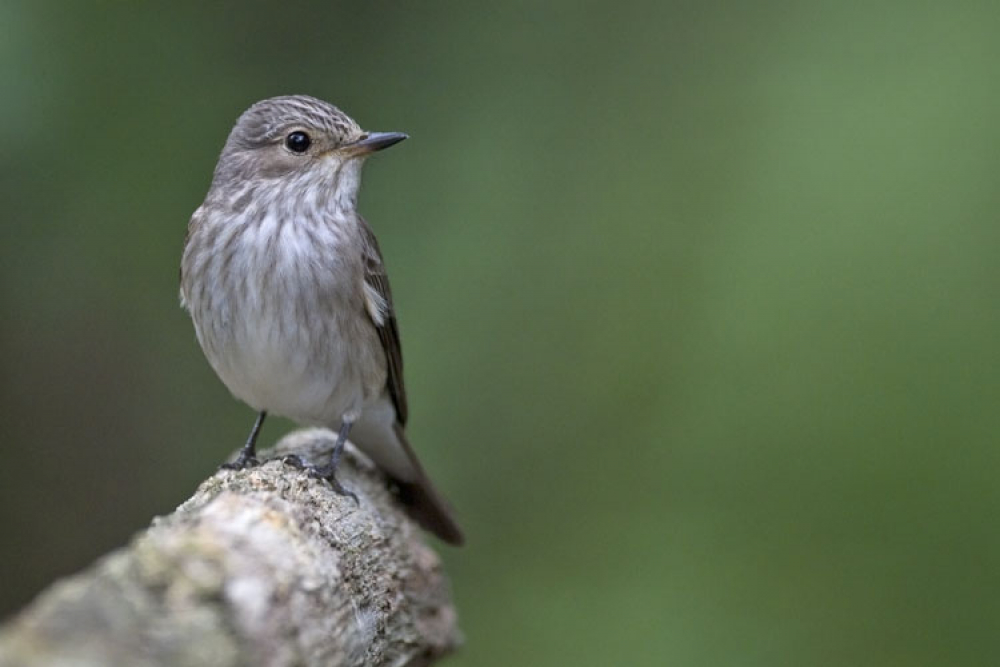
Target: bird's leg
{"x": 329, "y": 471}
{"x": 248, "y": 455}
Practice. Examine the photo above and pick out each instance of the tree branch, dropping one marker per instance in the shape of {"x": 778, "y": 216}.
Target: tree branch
{"x": 260, "y": 567}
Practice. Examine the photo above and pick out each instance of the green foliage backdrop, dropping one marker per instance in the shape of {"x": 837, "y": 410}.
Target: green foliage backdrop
{"x": 698, "y": 302}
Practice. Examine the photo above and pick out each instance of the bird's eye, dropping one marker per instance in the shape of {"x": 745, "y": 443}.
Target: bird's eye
{"x": 298, "y": 142}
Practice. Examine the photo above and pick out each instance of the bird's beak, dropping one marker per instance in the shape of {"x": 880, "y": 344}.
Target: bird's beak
{"x": 373, "y": 141}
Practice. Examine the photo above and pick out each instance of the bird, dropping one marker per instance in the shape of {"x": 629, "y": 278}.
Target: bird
{"x": 288, "y": 292}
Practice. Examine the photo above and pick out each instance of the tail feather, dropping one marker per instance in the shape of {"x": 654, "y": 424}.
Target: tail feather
{"x": 423, "y": 502}
{"x": 380, "y": 436}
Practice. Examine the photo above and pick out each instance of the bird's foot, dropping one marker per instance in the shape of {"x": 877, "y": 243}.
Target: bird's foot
{"x": 327, "y": 472}
{"x": 248, "y": 453}
{"x": 242, "y": 462}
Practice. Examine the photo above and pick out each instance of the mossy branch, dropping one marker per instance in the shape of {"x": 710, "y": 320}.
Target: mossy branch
{"x": 260, "y": 567}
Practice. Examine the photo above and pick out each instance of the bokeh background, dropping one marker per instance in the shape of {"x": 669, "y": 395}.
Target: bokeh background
{"x": 699, "y": 303}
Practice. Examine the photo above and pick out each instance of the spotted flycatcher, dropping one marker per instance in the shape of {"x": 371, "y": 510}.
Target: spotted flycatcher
{"x": 289, "y": 296}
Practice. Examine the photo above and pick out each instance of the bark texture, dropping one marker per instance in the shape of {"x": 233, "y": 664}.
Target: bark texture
{"x": 260, "y": 567}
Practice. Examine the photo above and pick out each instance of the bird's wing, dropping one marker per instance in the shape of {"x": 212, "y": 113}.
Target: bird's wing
{"x": 385, "y": 442}
{"x": 378, "y": 302}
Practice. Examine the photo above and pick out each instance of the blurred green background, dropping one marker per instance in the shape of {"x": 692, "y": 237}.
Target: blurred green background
{"x": 698, "y": 302}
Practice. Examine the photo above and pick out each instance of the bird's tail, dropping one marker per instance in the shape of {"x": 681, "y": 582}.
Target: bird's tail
{"x": 423, "y": 502}
{"x": 388, "y": 447}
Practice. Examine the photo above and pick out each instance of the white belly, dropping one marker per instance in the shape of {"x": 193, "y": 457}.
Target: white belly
{"x": 288, "y": 373}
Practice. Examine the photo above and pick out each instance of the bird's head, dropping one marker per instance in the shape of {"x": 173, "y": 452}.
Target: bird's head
{"x": 300, "y": 142}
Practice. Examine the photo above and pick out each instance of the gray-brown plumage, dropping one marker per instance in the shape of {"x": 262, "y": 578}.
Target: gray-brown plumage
{"x": 288, "y": 292}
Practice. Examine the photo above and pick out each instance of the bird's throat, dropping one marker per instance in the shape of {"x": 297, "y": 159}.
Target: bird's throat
{"x": 345, "y": 185}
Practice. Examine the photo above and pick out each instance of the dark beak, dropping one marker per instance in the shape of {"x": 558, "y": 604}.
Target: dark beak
{"x": 374, "y": 141}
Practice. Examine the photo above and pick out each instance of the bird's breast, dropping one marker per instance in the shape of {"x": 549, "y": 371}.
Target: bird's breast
{"x": 281, "y": 316}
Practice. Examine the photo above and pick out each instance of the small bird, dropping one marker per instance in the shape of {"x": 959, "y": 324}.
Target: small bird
{"x": 289, "y": 296}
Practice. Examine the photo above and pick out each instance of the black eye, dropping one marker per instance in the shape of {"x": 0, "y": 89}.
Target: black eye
{"x": 298, "y": 142}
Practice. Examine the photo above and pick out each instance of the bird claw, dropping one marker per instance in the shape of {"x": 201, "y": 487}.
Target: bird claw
{"x": 327, "y": 473}
{"x": 241, "y": 463}
{"x": 247, "y": 458}
{"x": 295, "y": 461}
{"x": 338, "y": 488}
